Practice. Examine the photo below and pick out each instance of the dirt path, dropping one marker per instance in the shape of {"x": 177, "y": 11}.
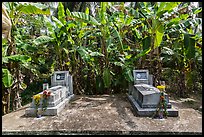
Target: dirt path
{"x": 103, "y": 113}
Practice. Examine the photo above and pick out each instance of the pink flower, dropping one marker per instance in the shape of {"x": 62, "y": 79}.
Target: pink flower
{"x": 49, "y": 93}
{"x": 44, "y": 92}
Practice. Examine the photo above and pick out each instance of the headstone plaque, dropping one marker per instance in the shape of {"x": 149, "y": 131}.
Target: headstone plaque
{"x": 141, "y": 76}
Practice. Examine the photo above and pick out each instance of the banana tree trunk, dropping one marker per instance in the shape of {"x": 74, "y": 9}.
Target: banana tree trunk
{"x": 17, "y": 99}
{"x": 182, "y": 84}
{"x": 158, "y": 66}
{"x": 13, "y": 67}
{"x": 105, "y": 52}
{"x": 10, "y": 68}
{"x": 8, "y": 100}
{"x": 106, "y": 62}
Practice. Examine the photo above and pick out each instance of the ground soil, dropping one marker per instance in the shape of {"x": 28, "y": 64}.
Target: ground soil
{"x": 105, "y": 113}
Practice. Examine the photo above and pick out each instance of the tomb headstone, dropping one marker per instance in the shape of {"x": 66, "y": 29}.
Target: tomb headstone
{"x": 61, "y": 93}
{"x": 144, "y": 97}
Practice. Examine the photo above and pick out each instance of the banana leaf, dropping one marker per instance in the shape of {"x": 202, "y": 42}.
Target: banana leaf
{"x": 33, "y": 8}
{"x": 7, "y": 78}
{"x": 61, "y": 15}
{"x": 42, "y": 40}
{"x": 189, "y": 45}
{"x": 84, "y": 17}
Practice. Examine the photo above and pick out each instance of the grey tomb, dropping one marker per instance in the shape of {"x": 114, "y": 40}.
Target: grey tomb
{"x": 144, "y": 97}
{"x": 61, "y": 93}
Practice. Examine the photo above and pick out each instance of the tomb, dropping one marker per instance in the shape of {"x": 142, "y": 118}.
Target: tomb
{"x": 144, "y": 97}
{"x": 61, "y": 93}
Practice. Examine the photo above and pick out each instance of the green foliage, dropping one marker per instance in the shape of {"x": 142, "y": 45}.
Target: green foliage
{"x": 166, "y": 6}
{"x": 99, "y": 84}
{"x": 101, "y": 51}
{"x": 146, "y": 43}
{"x": 33, "y": 89}
{"x": 33, "y": 8}
{"x": 159, "y": 32}
{"x": 42, "y": 40}
{"x": 128, "y": 75}
{"x": 58, "y": 22}
{"x": 19, "y": 58}
{"x": 61, "y": 13}
{"x": 106, "y": 78}
{"x": 80, "y": 16}
{"x": 7, "y": 78}
{"x": 116, "y": 36}
{"x": 189, "y": 45}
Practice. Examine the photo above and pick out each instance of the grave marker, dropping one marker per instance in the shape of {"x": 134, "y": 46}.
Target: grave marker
{"x": 144, "y": 97}
{"x": 61, "y": 92}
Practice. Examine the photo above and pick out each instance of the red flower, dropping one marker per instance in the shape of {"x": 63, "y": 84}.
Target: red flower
{"x": 49, "y": 93}
{"x": 44, "y": 92}
{"x": 162, "y": 97}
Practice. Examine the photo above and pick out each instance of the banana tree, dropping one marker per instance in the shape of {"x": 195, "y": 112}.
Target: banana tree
{"x": 111, "y": 32}
{"x": 152, "y": 29}
{"x": 183, "y": 59}
{"x": 62, "y": 32}
{"x": 156, "y": 22}
{"x": 101, "y": 30}
{"x": 181, "y": 30}
{"x": 15, "y": 11}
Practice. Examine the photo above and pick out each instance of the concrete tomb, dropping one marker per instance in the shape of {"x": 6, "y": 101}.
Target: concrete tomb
{"x": 61, "y": 92}
{"x": 144, "y": 97}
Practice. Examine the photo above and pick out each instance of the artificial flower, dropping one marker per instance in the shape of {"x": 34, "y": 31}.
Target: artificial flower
{"x": 37, "y": 97}
{"x": 162, "y": 97}
{"x": 161, "y": 88}
{"x": 44, "y": 92}
{"x": 49, "y": 93}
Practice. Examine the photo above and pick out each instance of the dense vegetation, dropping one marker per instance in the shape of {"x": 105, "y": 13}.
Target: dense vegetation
{"x": 99, "y": 43}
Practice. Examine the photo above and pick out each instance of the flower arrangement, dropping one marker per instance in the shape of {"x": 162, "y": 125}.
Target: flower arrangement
{"x": 161, "y": 111}
{"x": 46, "y": 95}
{"x": 37, "y": 102}
{"x": 45, "y": 98}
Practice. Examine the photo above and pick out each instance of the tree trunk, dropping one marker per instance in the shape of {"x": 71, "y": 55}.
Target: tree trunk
{"x": 158, "y": 67}
{"x": 13, "y": 67}
{"x": 10, "y": 68}
{"x": 8, "y": 100}
{"x": 17, "y": 98}
{"x": 182, "y": 85}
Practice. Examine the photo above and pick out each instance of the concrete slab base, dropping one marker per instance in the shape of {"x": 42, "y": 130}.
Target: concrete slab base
{"x": 51, "y": 111}
{"x": 172, "y": 112}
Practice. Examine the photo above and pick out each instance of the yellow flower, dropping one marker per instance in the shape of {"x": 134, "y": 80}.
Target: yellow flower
{"x": 36, "y": 97}
{"x": 161, "y": 88}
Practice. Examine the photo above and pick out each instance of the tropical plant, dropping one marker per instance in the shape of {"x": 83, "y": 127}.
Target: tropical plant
{"x": 100, "y": 46}
{"x": 12, "y": 59}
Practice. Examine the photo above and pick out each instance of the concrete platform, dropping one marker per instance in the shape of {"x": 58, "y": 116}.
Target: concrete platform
{"x": 103, "y": 114}
{"x": 148, "y": 112}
